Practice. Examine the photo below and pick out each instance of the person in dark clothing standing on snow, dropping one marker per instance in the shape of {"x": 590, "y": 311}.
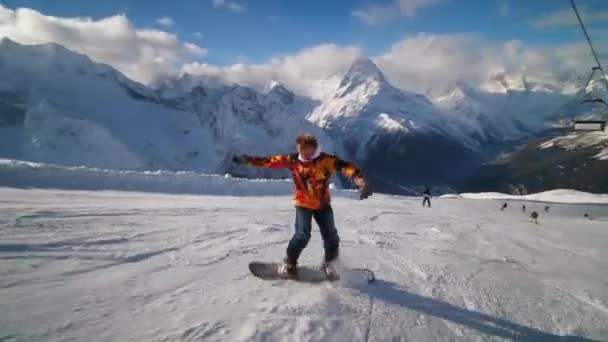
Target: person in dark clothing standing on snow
{"x": 534, "y": 217}
{"x": 311, "y": 170}
{"x": 426, "y": 194}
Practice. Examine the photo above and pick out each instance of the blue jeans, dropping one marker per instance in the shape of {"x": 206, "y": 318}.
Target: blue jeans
{"x": 325, "y": 219}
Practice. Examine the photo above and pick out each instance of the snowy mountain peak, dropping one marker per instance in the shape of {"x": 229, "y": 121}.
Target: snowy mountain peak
{"x": 503, "y": 82}
{"x": 597, "y": 88}
{"x": 281, "y": 94}
{"x": 47, "y": 50}
{"x": 362, "y": 71}
{"x": 458, "y": 90}
{"x": 272, "y": 85}
{"x": 187, "y": 82}
{"x": 47, "y": 58}
{"x": 363, "y": 80}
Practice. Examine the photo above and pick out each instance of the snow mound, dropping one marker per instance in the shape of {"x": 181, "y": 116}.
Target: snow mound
{"x": 15, "y": 173}
{"x": 554, "y": 196}
{"x": 450, "y": 196}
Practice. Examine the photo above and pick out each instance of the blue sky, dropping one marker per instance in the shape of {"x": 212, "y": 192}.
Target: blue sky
{"x": 420, "y": 45}
{"x": 256, "y": 30}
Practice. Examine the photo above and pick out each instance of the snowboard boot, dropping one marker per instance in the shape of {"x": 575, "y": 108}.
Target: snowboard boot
{"x": 288, "y": 270}
{"x": 329, "y": 268}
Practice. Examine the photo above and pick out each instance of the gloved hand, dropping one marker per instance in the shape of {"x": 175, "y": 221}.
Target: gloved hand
{"x": 365, "y": 192}
{"x": 363, "y": 187}
{"x": 239, "y": 159}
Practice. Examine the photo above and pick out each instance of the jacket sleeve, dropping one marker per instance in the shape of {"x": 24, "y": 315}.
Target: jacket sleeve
{"x": 348, "y": 169}
{"x": 273, "y": 162}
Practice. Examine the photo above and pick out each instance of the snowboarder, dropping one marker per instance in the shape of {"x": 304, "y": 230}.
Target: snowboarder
{"x": 504, "y": 206}
{"x": 534, "y": 217}
{"x": 426, "y": 194}
{"x": 523, "y": 208}
{"x": 311, "y": 171}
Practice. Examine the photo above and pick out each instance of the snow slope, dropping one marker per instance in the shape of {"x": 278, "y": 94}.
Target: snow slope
{"x": 59, "y": 107}
{"x": 557, "y": 158}
{"x": 34, "y": 175}
{"x": 241, "y": 120}
{"x": 118, "y": 266}
{"x": 590, "y": 103}
{"x": 552, "y": 196}
{"x": 17, "y": 173}
{"x": 504, "y": 115}
{"x": 76, "y": 112}
{"x": 597, "y": 141}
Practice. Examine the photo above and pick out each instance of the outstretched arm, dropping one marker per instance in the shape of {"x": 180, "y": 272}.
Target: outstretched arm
{"x": 350, "y": 170}
{"x": 273, "y": 162}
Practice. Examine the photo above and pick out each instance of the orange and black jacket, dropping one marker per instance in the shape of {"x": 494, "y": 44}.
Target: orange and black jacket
{"x": 311, "y": 179}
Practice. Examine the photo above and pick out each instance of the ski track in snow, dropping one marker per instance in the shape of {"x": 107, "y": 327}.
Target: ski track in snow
{"x": 118, "y": 266}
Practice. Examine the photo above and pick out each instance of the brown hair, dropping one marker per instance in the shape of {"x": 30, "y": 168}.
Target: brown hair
{"x": 306, "y": 139}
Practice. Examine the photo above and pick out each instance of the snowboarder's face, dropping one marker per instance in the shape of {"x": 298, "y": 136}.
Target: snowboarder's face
{"x": 306, "y": 151}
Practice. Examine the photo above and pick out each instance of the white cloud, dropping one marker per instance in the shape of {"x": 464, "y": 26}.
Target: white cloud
{"x": 410, "y": 7}
{"x": 429, "y": 63}
{"x": 230, "y": 5}
{"x": 141, "y": 54}
{"x": 377, "y": 14}
{"x": 566, "y": 17}
{"x": 420, "y": 63}
{"x": 504, "y": 8}
{"x": 165, "y": 21}
{"x": 425, "y": 63}
{"x": 302, "y": 72}
{"x": 197, "y": 35}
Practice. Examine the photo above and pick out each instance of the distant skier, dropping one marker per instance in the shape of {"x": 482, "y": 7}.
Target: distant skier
{"x": 311, "y": 170}
{"x": 534, "y": 217}
{"x": 546, "y": 208}
{"x": 504, "y": 206}
{"x": 426, "y": 194}
{"x": 523, "y": 208}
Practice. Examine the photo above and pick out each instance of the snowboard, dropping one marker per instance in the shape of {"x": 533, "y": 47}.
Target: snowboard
{"x": 306, "y": 273}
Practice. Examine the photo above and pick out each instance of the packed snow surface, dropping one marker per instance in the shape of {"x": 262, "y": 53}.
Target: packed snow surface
{"x": 132, "y": 266}
{"x": 556, "y": 196}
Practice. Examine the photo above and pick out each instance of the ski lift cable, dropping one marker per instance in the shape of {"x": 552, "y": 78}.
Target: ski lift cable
{"x": 580, "y": 21}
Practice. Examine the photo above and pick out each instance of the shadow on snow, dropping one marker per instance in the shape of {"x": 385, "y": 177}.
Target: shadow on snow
{"x": 390, "y": 293}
